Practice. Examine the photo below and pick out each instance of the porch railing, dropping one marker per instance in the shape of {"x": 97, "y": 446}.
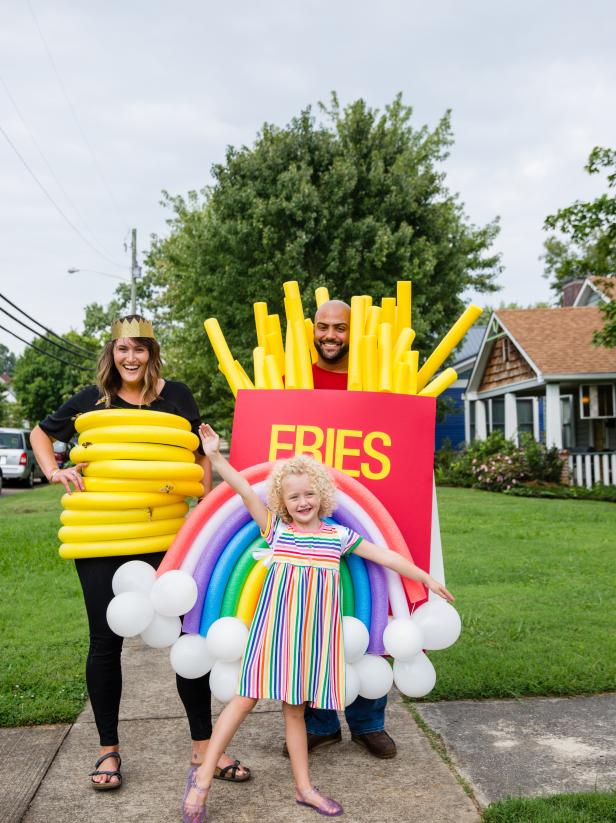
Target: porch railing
{"x": 597, "y": 467}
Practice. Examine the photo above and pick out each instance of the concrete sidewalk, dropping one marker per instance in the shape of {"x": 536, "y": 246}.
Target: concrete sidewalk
{"x": 415, "y": 786}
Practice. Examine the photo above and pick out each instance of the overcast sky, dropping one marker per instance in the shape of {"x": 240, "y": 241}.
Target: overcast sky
{"x": 125, "y": 99}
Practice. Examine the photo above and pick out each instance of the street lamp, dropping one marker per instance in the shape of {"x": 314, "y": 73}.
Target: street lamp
{"x": 135, "y": 272}
{"x": 94, "y": 271}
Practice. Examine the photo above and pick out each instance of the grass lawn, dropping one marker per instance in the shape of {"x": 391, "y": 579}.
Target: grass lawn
{"x": 591, "y": 807}
{"x": 534, "y": 584}
{"x": 43, "y": 642}
{"x": 531, "y": 577}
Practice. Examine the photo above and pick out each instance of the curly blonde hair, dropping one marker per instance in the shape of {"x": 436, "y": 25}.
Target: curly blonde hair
{"x": 320, "y": 479}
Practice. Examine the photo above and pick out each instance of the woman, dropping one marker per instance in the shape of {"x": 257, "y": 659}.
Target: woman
{"x": 128, "y": 376}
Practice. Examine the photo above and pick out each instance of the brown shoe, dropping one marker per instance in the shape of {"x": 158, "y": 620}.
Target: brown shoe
{"x": 378, "y": 744}
{"x": 315, "y": 741}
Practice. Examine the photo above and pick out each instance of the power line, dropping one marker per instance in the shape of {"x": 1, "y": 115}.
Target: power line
{"x": 73, "y": 112}
{"x": 53, "y": 202}
{"x": 79, "y": 349}
{"x": 34, "y": 331}
{"x": 45, "y": 159}
{"x": 46, "y": 353}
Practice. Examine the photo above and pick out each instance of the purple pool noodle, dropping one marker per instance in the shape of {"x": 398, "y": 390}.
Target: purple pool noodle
{"x": 378, "y": 585}
{"x": 209, "y": 557}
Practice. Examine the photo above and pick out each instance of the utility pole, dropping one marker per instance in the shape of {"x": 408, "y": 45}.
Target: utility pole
{"x": 135, "y": 271}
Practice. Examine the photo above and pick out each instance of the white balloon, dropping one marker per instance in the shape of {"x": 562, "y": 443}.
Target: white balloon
{"x": 439, "y": 623}
{"x": 129, "y": 613}
{"x": 375, "y": 676}
{"x": 416, "y": 677}
{"x": 224, "y": 680}
{"x": 190, "y": 657}
{"x": 351, "y": 684}
{"x": 403, "y": 639}
{"x": 356, "y": 638}
{"x": 226, "y": 639}
{"x": 134, "y": 576}
{"x": 162, "y": 631}
{"x": 174, "y": 593}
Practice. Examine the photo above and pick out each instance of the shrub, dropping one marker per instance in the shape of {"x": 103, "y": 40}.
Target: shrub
{"x": 498, "y": 464}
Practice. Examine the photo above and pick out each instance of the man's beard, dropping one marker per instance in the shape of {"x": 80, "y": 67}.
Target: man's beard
{"x": 332, "y": 358}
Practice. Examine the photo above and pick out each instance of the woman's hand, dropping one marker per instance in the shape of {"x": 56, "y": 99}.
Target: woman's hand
{"x": 68, "y": 476}
{"x": 439, "y": 589}
{"x": 209, "y": 439}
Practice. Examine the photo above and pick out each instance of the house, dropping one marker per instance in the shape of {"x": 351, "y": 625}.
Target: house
{"x": 537, "y": 371}
{"x": 451, "y": 427}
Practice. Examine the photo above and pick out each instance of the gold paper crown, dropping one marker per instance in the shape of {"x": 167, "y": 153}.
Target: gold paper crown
{"x": 131, "y": 328}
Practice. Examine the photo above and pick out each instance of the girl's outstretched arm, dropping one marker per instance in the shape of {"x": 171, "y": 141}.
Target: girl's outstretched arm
{"x": 211, "y": 447}
{"x": 394, "y": 561}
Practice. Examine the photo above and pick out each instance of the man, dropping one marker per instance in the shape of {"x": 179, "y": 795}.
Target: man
{"x": 366, "y": 718}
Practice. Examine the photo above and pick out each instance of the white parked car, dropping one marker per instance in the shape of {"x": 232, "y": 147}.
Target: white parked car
{"x": 17, "y": 458}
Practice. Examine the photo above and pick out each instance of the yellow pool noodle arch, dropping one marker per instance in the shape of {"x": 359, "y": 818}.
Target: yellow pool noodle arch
{"x": 186, "y": 488}
{"x": 119, "y": 531}
{"x": 144, "y": 452}
{"x": 92, "y": 517}
{"x": 164, "y": 435}
{"x": 129, "y": 417}
{"x": 250, "y": 593}
{"x": 144, "y": 470}
{"x": 84, "y": 501}
{"x": 111, "y": 548}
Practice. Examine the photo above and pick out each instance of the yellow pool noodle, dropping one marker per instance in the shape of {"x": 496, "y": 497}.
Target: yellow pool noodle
{"x": 374, "y": 318}
{"x": 367, "y": 298}
{"x": 303, "y": 363}
{"x": 260, "y": 310}
{"x": 447, "y": 345}
{"x": 246, "y": 381}
{"x": 314, "y": 354}
{"x": 321, "y": 295}
{"x": 291, "y": 376}
{"x": 403, "y": 343}
{"x": 226, "y": 363}
{"x": 369, "y": 362}
{"x": 385, "y": 362}
{"x": 403, "y": 305}
{"x": 388, "y": 311}
{"x": 272, "y": 373}
{"x": 440, "y": 383}
{"x": 274, "y": 340}
{"x": 412, "y": 358}
{"x": 402, "y": 379}
{"x": 250, "y": 593}
{"x": 110, "y": 548}
{"x": 356, "y": 333}
{"x": 258, "y": 359}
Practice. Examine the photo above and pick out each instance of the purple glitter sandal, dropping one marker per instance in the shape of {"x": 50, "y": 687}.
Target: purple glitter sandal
{"x": 193, "y": 814}
{"x": 332, "y": 807}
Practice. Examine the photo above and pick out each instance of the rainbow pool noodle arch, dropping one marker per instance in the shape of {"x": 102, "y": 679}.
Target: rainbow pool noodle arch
{"x": 217, "y": 542}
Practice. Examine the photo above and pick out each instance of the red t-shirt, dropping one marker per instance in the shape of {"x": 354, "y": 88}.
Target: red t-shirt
{"x": 324, "y": 379}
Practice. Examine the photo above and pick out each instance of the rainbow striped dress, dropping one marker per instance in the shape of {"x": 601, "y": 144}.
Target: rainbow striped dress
{"x": 294, "y": 650}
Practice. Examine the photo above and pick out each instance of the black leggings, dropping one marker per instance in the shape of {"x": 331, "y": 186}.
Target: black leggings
{"x": 103, "y": 666}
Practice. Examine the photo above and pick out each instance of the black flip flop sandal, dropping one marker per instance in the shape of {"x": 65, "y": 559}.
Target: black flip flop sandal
{"x": 108, "y": 784}
{"x": 230, "y": 773}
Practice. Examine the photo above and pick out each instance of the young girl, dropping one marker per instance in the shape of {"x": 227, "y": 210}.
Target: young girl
{"x": 294, "y": 651}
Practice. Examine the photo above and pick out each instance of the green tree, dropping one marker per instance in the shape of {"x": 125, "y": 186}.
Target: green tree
{"x": 353, "y": 200}
{"x": 586, "y": 246}
{"x": 42, "y": 381}
{"x": 7, "y": 360}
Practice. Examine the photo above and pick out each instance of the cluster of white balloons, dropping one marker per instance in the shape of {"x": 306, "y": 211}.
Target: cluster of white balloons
{"x": 151, "y": 607}
{"x": 435, "y": 625}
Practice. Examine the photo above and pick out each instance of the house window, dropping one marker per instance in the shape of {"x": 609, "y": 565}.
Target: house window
{"x": 596, "y": 401}
{"x": 497, "y": 415}
{"x": 566, "y": 417}
{"x": 472, "y": 421}
{"x": 525, "y": 416}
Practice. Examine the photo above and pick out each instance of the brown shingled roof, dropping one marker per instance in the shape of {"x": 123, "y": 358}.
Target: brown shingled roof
{"x": 559, "y": 341}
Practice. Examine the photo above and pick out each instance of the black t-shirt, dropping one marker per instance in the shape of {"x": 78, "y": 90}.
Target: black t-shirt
{"x": 175, "y": 398}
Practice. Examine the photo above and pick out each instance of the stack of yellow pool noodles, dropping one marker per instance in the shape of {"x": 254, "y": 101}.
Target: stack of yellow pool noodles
{"x": 141, "y": 466}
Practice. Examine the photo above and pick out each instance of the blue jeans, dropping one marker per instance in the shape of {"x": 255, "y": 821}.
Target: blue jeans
{"x": 362, "y": 716}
